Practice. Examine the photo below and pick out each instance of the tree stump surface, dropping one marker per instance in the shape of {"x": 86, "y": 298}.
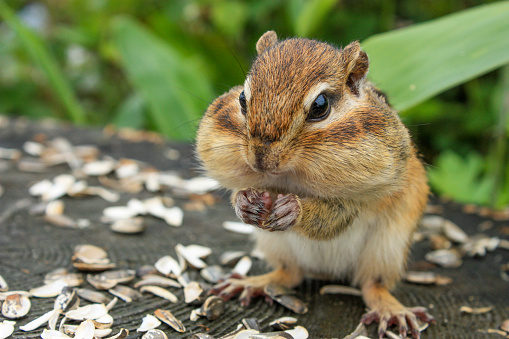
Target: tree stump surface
{"x": 30, "y": 248}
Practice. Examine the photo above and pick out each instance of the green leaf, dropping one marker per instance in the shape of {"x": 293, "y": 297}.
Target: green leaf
{"x": 307, "y": 16}
{"x": 229, "y": 16}
{"x": 462, "y": 179}
{"x": 41, "y": 55}
{"x": 130, "y": 113}
{"x": 415, "y": 63}
{"x": 171, "y": 84}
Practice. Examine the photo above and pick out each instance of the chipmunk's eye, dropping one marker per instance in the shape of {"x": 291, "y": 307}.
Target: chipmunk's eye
{"x": 243, "y": 104}
{"x": 319, "y": 109}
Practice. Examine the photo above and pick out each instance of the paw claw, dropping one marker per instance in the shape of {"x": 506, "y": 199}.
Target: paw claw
{"x": 406, "y": 320}
{"x": 257, "y": 209}
{"x": 238, "y": 285}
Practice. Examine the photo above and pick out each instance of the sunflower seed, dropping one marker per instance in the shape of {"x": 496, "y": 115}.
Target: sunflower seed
{"x": 338, "y": 289}
{"x": 154, "y": 334}
{"x": 103, "y": 322}
{"x": 202, "y": 336}
{"x": 243, "y": 266}
{"x": 200, "y": 185}
{"x": 9, "y": 154}
{"x": 3, "y": 285}
{"x": 238, "y": 227}
{"x": 15, "y": 306}
{"x": 193, "y": 260}
{"x": 98, "y": 333}
{"x": 149, "y": 322}
{"x": 505, "y": 325}
{"x": 479, "y": 245}
{"x": 119, "y": 213}
{"x": 292, "y": 303}
{"x": 478, "y": 310}
{"x": 50, "y": 290}
{"x": 444, "y": 258}
{"x": 424, "y": 278}
{"x": 298, "y": 332}
{"x": 60, "y": 220}
{"x": 271, "y": 335}
{"x": 432, "y": 223}
{"x": 92, "y": 312}
{"x": 101, "y": 192}
{"x": 454, "y": 232}
{"x": 167, "y": 265}
{"x": 118, "y": 276}
{"x": 128, "y": 226}
{"x": 213, "y": 307}
{"x": 230, "y": 258}
{"x": 6, "y": 328}
{"x": 160, "y": 292}
{"x": 55, "y": 207}
{"x": 123, "y": 333}
{"x": 251, "y": 324}
{"x": 90, "y": 254}
{"x": 283, "y": 323}
{"x": 245, "y": 334}
{"x": 38, "y": 322}
{"x": 85, "y": 330}
{"x": 67, "y": 299}
{"x": 168, "y": 318}
{"x": 93, "y": 296}
{"x": 33, "y": 148}
{"x": 71, "y": 279}
{"x": 199, "y": 251}
{"x": 125, "y": 293}
{"x": 100, "y": 283}
{"x": 174, "y": 216}
{"x": 193, "y": 293}
{"x": 438, "y": 242}
{"x": 39, "y": 188}
{"x": 100, "y": 167}
{"x": 52, "y": 334}
{"x": 195, "y": 315}
{"x": 156, "y": 280}
{"x": 213, "y": 273}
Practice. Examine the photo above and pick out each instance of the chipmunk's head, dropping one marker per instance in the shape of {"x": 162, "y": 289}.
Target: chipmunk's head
{"x": 296, "y": 87}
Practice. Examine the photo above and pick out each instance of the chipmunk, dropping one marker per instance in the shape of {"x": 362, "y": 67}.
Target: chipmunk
{"x": 324, "y": 168}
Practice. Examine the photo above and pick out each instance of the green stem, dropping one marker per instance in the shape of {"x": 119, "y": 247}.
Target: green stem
{"x": 46, "y": 62}
{"x": 501, "y": 138}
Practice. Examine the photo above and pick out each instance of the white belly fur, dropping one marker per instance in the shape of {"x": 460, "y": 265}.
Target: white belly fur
{"x": 336, "y": 258}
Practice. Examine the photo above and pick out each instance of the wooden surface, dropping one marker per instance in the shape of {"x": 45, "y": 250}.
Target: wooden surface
{"x": 30, "y": 248}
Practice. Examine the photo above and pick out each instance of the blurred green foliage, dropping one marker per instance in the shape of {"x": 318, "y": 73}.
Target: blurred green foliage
{"x": 157, "y": 64}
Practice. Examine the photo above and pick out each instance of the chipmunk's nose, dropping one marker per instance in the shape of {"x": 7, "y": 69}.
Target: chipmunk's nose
{"x": 265, "y": 159}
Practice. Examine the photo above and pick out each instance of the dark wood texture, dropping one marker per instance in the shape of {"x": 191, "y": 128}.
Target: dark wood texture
{"x": 30, "y": 248}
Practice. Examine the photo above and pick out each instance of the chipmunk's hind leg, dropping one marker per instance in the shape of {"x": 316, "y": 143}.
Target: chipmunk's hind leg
{"x": 250, "y": 287}
{"x": 388, "y": 311}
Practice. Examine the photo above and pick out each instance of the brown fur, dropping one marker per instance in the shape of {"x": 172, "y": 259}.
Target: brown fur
{"x": 357, "y": 165}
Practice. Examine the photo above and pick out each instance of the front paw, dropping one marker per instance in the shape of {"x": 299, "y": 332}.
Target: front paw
{"x": 405, "y": 318}
{"x": 253, "y": 207}
{"x": 284, "y": 214}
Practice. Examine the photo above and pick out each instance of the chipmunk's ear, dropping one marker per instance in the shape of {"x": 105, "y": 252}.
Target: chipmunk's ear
{"x": 268, "y": 39}
{"x": 355, "y": 64}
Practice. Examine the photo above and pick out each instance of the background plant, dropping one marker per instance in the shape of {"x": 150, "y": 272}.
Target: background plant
{"x": 157, "y": 64}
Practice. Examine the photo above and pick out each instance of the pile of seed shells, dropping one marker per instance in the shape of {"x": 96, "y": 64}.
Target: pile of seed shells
{"x": 115, "y": 176}
{"x": 70, "y": 319}
{"x": 450, "y": 245}
{"x": 167, "y": 276}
